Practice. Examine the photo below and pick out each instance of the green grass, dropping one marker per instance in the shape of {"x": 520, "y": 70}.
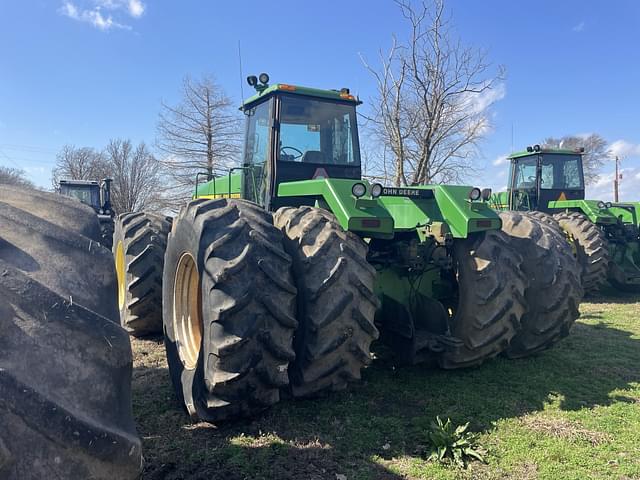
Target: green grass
{"x": 572, "y": 412}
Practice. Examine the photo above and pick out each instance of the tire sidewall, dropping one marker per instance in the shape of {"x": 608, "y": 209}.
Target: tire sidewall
{"x": 188, "y": 383}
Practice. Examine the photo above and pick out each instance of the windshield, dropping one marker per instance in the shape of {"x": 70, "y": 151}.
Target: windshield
{"x": 89, "y": 194}
{"x": 316, "y": 131}
{"x": 561, "y": 172}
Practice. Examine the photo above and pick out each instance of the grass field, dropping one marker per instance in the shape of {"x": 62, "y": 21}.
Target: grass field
{"x": 570, "y": 413}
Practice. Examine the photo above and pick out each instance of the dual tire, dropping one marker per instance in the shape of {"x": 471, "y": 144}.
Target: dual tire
{"x": 519, "y": 290}
{"x": 256, "y": 304}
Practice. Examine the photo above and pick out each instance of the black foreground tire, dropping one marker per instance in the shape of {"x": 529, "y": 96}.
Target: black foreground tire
{"x": 65, "y": 212}
{"x": 65, "y": 364}
{"x": 554, "y": 291}
{"x": 491, "y": 298}
{"x": 590, "y": 247}
{"x": 336, "y": 301}
{"x": 140, "y": 240}
{"x": 229, "y": 309}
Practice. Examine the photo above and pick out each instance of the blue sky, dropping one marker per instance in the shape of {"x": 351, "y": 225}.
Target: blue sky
{"x": 85, "y": 71}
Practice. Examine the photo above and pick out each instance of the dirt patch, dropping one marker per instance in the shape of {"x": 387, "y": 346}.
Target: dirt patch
{"x": 564, "y": 429}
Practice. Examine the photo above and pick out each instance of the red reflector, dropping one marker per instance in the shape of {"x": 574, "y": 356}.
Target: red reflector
{"x": 484, "y": 223}
{"x": 370, "y": 222}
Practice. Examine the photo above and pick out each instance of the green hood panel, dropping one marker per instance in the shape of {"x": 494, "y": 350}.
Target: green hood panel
{"x": 384, "y": 216}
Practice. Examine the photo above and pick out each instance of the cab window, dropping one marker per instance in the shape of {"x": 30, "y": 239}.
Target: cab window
{"x": 318, "y": 131}
{"x": 561, "y": 171}
{"x": 526, "y": 173}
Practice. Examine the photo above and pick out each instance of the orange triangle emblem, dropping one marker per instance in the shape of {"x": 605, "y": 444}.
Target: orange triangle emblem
{"x": 320, "y": 173}
{"x": 562, "y": 197}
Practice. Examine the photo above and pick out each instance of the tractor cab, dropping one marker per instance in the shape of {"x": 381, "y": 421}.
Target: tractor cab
{"x": 542, "y": 175}
{"x": 297, "y": 133}
{"x": 90, "y": 192}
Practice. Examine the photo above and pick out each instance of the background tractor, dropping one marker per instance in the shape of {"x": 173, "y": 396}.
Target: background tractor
{"x": 279, "y": 276}
{"x": 605, "y": 236}
{"x": 98, "y": 196}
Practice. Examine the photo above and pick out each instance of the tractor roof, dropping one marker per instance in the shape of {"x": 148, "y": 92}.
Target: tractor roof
{"x": 340, "y": 95}
{"x": 79, "y": 182}
{"x": 557, "y": 151}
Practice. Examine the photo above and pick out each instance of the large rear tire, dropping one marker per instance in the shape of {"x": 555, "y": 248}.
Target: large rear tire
{"x": 140, "y": 240}
{"x": 229, "y": 309}
{"x": 65, "y": 364}
{"x": 590, "y": 248}
{"x": 336, "y": 301}
{"x": 65, "y": 212}
{"x": 554, "y": 291}
{"x": 491, "y": 298}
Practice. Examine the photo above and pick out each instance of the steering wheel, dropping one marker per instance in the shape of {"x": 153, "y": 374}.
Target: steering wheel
{"x": 294, "y": 157}
{"x": 532, "y": 178}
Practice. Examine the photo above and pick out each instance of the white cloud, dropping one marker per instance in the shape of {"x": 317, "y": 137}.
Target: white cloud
{"x": 479, "y": 102}
{"x": 624, "y": 149}
{"x": 94, "y": 15}
{"x": 136, "y": 8}
{"x": 501, "y": 160}
{"x": 578, "y": 28}
{"x": 629, "y": 186}
{"x": 70, "y": 10}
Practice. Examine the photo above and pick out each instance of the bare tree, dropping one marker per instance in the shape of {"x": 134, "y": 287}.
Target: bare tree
{"x": 432, "y": 96}
{"x": 596, "y": 152}
{"x": 79, "y": 164}
{"x": 199, "y": 134}
{"x": 136, "y": 176}
{"x": 14, "y": 176}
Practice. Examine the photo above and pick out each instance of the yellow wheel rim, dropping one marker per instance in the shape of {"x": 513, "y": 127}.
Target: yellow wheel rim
{"x": 187, "y": 320}
{"x": 122, "y": 275}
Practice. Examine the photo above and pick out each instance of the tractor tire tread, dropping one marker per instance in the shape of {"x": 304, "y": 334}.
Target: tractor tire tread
{"x": 591, "y": 244}
{"x": 143, "y": 236}
{"x": 336, "y": 303}
{"x": 248, "y": 308}
{"x": 554, "y": 292}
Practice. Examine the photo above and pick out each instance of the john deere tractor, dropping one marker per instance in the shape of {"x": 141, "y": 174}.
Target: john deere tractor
{"x": 98, "y": 196}
{"x": 279, "y": 276}
{"x": 604, "y": 236}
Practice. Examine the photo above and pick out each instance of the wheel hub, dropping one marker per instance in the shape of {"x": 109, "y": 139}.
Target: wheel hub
{"x": 187, "y": 319}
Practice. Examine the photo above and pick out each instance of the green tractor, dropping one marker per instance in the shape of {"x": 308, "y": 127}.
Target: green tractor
{"x": 279, "y": 276}
{"x": 98, "y": 196}
{"x": 605, "y": 236}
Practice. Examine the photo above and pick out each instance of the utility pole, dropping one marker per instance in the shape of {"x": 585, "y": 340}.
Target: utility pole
{"x": 615, "y": 183}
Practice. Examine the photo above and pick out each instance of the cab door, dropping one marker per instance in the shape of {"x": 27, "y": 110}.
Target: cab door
{"x": 524, "y": 183}
{"x": 257, "y": 165}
